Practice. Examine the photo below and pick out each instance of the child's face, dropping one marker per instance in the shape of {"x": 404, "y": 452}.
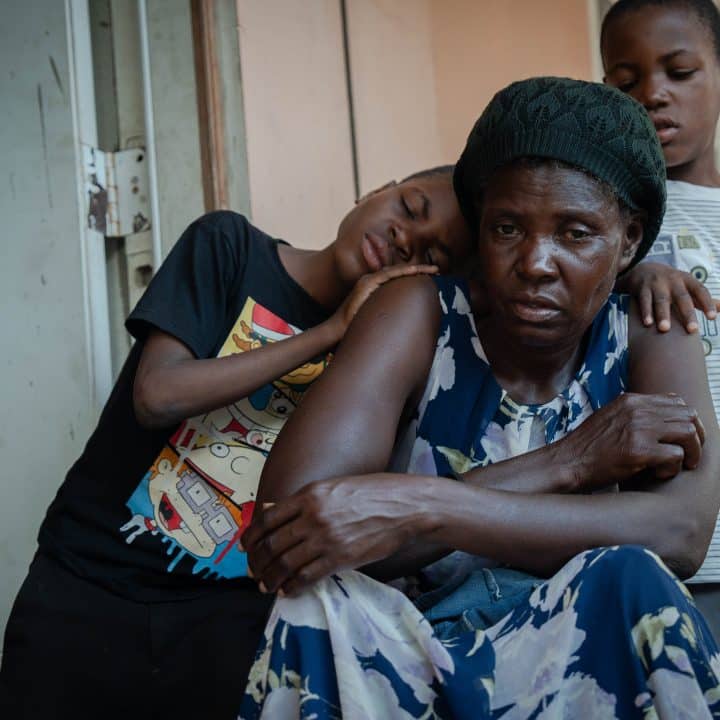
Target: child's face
{"x": 413, "y": 222}
{"x": 666, "y": 60}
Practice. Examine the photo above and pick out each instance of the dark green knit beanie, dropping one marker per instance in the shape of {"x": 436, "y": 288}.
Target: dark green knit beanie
{"x": 591, "y": 126}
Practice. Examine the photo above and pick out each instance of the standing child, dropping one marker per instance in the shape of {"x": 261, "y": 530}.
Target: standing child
{"x": 666, "y": 54}
{"x": 138, "y": 603}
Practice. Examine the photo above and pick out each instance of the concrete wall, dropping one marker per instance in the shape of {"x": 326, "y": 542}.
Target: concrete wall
{"x": 44, "y": 383}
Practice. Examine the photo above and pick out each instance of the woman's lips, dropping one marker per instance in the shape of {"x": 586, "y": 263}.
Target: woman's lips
{"x": 534, "y": 312}
{"x": 375, "y": 251}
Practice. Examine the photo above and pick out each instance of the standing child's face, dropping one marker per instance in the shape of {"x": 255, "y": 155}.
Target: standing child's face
{"x": 665, "y": 59}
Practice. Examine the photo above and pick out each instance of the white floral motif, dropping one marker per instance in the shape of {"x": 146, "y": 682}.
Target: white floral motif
{"x": 443, "y": 367}
{"x": 531, "y": 662}
{"x": 422, "y": 461}
{"x": 677, "y": 696}
{"x": 462, "y": 307}
{"x": 557, "y": 584}
{"x": 713, "y": 694}
{"x": 580, "y": 697}
{"x": 617, "y": 327}
{"x": 460, "y": 304}
{"x": 500, "y": 442}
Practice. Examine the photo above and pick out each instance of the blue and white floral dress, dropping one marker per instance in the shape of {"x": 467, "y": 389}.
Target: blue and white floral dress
{"x": 613, "y": 634}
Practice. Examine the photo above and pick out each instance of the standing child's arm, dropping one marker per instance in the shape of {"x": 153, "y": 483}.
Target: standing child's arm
{"x": 656, "y": 286}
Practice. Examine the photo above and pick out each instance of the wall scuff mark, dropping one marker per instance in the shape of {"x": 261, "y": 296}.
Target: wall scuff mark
{"x": 53, "y": 66}
{"x": 43, "y": 131}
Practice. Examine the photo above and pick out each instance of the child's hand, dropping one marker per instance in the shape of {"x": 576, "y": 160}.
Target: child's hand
{"x": 656, "y": 286}
{"x": 366, "y": 286}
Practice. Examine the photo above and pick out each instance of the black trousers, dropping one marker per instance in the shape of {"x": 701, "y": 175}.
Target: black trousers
{"x": 75, "y": 650}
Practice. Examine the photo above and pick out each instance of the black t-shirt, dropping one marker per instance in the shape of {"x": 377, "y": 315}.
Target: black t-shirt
{"x": 153, "y": 514}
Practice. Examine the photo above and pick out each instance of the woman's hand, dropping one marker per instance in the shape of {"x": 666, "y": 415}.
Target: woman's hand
{"x": 658, "y": 435}
{"x": 329, "y": 526}
{"x": 365, "y": 287}
{"x": 657, "y": 286}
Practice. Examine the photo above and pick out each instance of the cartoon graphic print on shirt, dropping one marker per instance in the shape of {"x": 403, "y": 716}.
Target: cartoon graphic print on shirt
{"x": 199, "y": 494}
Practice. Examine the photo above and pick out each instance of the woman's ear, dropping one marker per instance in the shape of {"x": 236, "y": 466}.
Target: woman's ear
{"x": 634, "y": 233}
{"x": 376, "y": 191}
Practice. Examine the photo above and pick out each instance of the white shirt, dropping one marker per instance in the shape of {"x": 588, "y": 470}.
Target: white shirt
{"x": 690, "y": 240}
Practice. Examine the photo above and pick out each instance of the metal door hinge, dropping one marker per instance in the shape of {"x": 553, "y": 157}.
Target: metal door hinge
{"x": 116, "y": 191}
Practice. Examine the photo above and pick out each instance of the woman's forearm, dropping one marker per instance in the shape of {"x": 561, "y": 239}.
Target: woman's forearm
{"x": 540, "y": 532}
{"x": 546, "y": 470}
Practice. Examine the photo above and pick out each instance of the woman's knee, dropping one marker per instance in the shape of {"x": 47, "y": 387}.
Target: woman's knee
{"x": 633, "y": 572}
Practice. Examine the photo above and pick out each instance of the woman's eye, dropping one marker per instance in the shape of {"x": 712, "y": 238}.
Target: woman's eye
{"x": 575, "y": 234}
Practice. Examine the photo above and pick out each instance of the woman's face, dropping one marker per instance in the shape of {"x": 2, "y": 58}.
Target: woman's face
{"x": 551, "y": 243}
{"x": 665, "y": 59}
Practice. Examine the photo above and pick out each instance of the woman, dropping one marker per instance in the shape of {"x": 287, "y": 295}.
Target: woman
{"x": 563, "y": 182}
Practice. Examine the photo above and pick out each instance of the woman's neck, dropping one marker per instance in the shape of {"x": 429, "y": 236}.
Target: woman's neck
{"x": 531, "y": 375}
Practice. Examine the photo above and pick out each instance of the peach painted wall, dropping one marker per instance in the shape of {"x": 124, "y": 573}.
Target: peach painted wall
{"x": 422, "y": 71}
{"x": 479, "y": 46}
{"x": 393, "y": 83}
{"x": 297, "y": 118}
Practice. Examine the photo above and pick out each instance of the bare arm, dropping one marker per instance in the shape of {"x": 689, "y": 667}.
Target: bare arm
{"x": 351, "y": 521}
{"x": 347, "y": 421}
{"x": 171, "y": 384}
{"x": 675, "y": 517}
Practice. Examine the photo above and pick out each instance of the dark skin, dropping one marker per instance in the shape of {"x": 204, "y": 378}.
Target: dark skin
{"x": 402, "y": 229}
{"x": 665, "y": 59}
{"x": 547, "y": 260}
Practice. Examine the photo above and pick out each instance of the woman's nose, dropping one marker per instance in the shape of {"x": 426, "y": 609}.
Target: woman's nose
{"x": 537, "y": 259}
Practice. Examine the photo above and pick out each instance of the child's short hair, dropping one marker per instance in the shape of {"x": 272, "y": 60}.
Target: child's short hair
{"x": 705, "y": 11}
{"x": 437, "y": 171}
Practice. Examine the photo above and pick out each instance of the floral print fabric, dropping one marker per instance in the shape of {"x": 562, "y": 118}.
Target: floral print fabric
{"x": 465, "y": 419}
{"x": 612, "y": 635}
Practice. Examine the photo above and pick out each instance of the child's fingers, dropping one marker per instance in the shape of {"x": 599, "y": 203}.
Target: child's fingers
{"x": 661, "y": 311}
{"x": 703, "y": 300}
{"x": 645, "y": 301}
{"x": 400, "y": 270}
{"x": 685, "y": 304}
